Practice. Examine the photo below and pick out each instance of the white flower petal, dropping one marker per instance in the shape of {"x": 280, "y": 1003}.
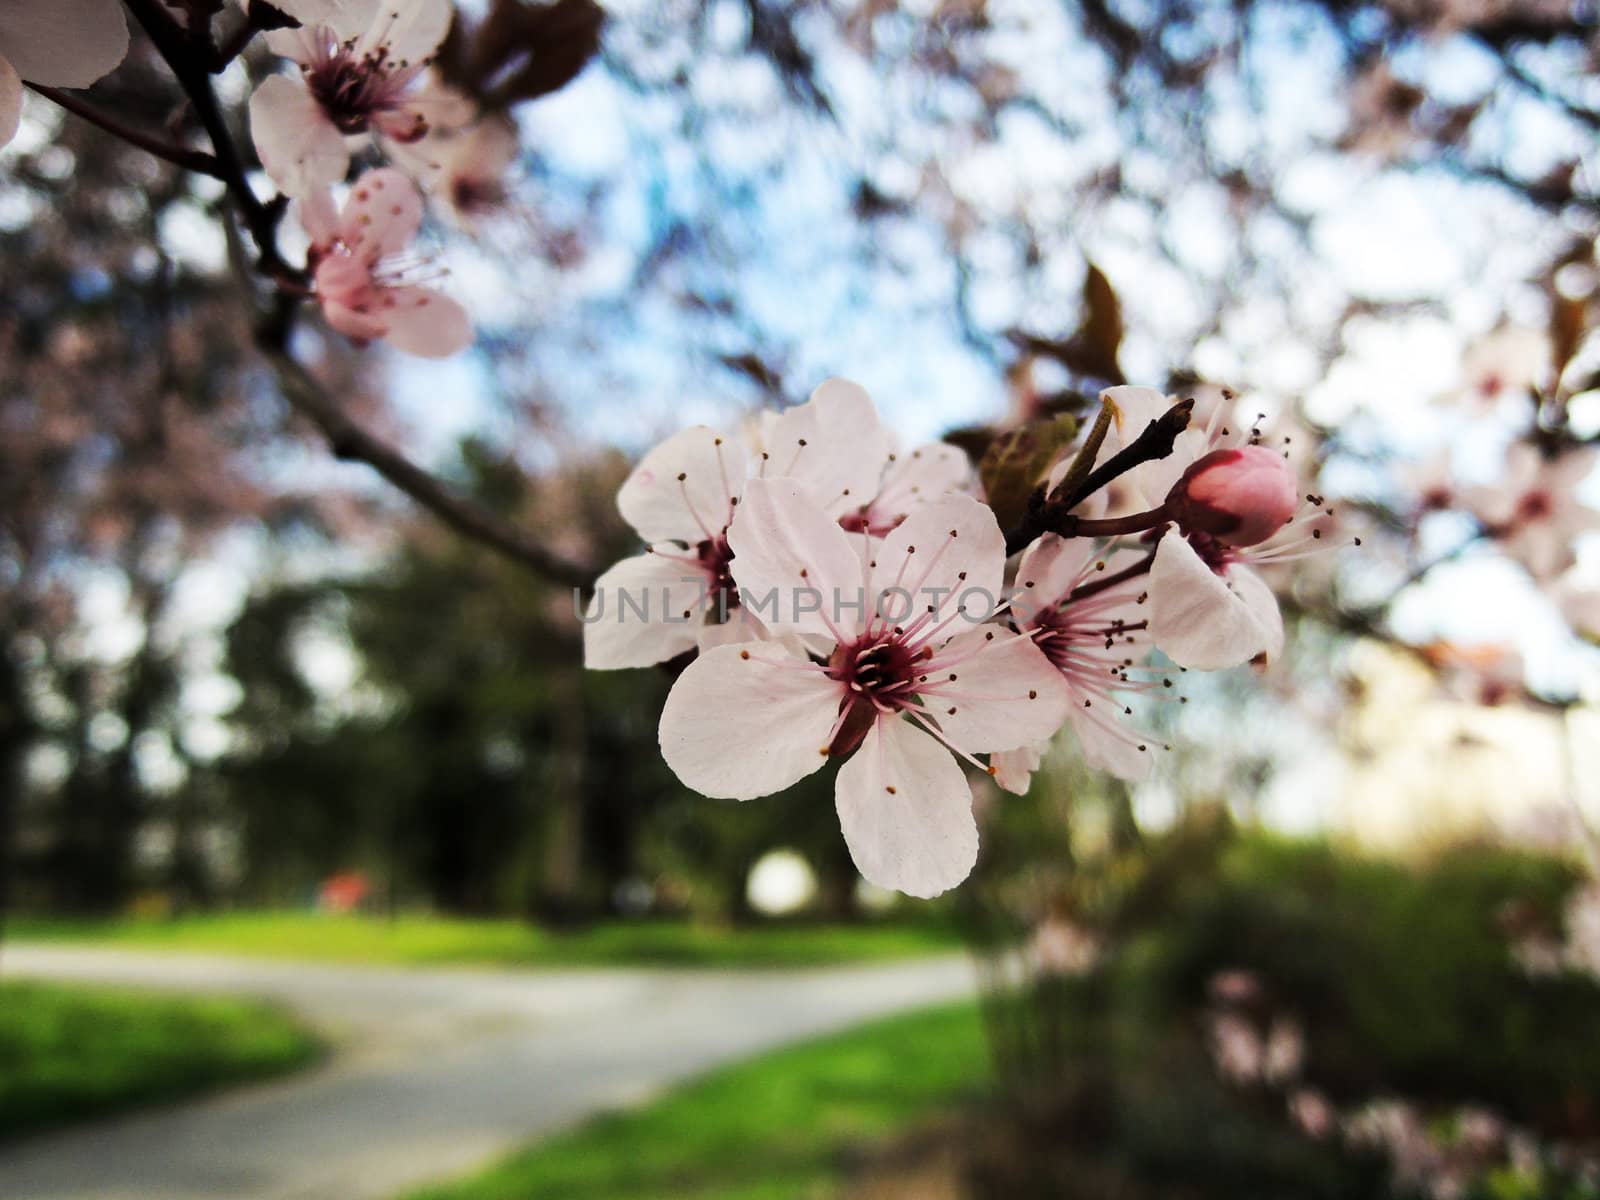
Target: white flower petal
{"x": 927, "y": 473}
{"x": 318, "y": 217}
{"x": 906, "y": 811}
{"x": 1257, "y": 597}
{"x": 10, "y": 101}
{"x": 409, "y": 31}
{"x": 63, "y": 43}
{"x": 1196, "y": 618}
{"x": 947, "y": 553}
{"x": 1047, "y": 571}
{"x": 299, "y": 147}
{"x": 685, "y": 489}
{"x": 346, "y": 19}
{"x": 1013, "y": 769}
{"x": 645, "y": 610}
{"x": 745, "y": 721}
{"x": 1003, "y": 691}
{"x": 834, "y": 444}
{"x": 794, "y": 565}
{"x": 1108, "y": 745}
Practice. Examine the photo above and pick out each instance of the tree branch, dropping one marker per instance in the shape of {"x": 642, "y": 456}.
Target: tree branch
{"x": 178, "y": 156}
{"x": 349, "y": 440}
{"x": 189, "y": 62}
{"x": 1055, "y": 516}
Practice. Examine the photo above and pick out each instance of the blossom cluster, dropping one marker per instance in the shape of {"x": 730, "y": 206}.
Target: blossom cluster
{"x": 360, "y": 76}
{"x": 835, "y": 598}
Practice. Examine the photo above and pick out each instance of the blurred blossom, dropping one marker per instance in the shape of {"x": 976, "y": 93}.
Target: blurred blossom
{"x": 1534, "y": 512}
{"x": 368, "y": 283}
{"x": 361, "y": 69}
{"x": 1060, "y": 946}
{"x": 1511, "y": 361}
{"x": 1310, "y": 1110}
{"x": 1236, "y": 1048}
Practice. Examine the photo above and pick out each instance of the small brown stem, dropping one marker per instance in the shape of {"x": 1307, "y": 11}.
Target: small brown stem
{"x": 189, "y": 66}
{"x": 1055, "y": 516}
{"x": 350, "y": 440}
{"x": 178, "y": 156}
{"x": 1068, "y": 525}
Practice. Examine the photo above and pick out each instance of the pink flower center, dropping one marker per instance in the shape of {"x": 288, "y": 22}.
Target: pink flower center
{"x": 1534, "y": 506}
{"x": 1215, "y": 553}
{"x": 716, "y": 560}
{"x": 879, "y": 673}
{"x": 359, "y": 91}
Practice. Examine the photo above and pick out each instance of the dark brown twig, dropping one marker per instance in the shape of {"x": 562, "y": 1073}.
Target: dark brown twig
{"x": 350, "y": 441}
{"x": 1055, "y": 516}
{"x": 178, "y": 156}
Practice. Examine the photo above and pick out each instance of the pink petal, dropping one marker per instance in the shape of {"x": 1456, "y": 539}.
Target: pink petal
{"x": 381, "y": 215}
{"x": 1004, "y": 692}
{"x": 746, "y": 721}
{"x": 906, "y": 811}
{"x": 423, "y": 322}
{"x": 10, "y": 101}
{"x": 299, "y": 147}
{"x": 945, "y": 553}
{"x": 661, "y": 507}
{"x": 1013, "y": 769}
{"x": 63, "y": 43}
{"x": 1047, "y": 571}
{"x": 1197, "y": 619}
{"x": 1109, "y": 746}
{"x": 353, "y": 323}
{"x": 793, "y": 564}
{"x": 318, "y": 217}
{"x": 645, "y": 610}
{"x": 1257, "y": 597}
{"x": 834, "y": 444}
{"x": 409, "y": 31}
{"x": 926, "y": 474}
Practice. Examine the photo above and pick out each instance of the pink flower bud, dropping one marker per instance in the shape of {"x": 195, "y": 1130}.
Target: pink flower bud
{"x": 1241, "y": 496}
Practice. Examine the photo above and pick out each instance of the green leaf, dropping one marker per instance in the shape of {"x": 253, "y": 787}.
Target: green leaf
{"x": 1017, "y": 462}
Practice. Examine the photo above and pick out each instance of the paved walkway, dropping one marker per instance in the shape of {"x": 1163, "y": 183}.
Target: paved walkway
{"x": 437, "y": 1071}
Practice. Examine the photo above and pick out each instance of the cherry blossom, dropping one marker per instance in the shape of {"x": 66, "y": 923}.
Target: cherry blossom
{"x": 681, "y": 499}
{"x": 1092, "y": 634}
{"x": 367, "y": 286}
{"x": 923, "y": 475}
{"x": 361, "y": 74}
{"x": 1509, "y": 361}
{"x": 1209, "y": 609}
{"x": 1534, "y": 512}
{"x": 470, "y": 182}
{"x": 904, "y": 690}
{"x": 59, "y": 43}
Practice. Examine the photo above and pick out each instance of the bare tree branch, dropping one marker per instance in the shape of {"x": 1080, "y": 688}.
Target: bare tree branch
{"x": 350, "y": 440}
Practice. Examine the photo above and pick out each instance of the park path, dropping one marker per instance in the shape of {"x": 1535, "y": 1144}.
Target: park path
{"x": 436, "y": 1071}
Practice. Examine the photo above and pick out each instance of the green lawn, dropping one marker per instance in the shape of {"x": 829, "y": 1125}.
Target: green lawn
{"x": 784, "y": 1125}
{"x": 428, "y": 939}
{"x": 70, "y": 1052}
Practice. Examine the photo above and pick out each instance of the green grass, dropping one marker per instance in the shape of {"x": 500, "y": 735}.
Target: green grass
{"x": 415, "y": 939}
{"x": 784, "y": 1125}
{"x": 67, "y": 1052}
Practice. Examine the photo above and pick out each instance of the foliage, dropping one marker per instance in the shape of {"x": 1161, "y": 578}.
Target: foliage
{"x": 69, "y": 1053}
{"x": 422, "y": 940}
{"x": 782, "y": 1125}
